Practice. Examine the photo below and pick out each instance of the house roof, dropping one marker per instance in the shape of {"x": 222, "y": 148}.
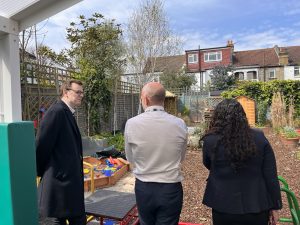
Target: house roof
{"x": 206, "y": 49}
{"x": 294, "y": 54}
{"x": 258, "y": 57}
{"x": 170, "y": 63}
{"x": 265, "y": 57}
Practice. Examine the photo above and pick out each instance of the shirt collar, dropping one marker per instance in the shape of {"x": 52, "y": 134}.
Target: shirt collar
{"x": 154, "y": 108}
{"x": 72, "y": 110}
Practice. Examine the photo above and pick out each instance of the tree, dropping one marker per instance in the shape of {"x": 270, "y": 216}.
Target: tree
{"x": 149, "y": 37}
{"x": 48, "y": 57}
{"x": 97, "y": 49}
{"x": 222, "y": 77}
{"x": 179, "y": 79}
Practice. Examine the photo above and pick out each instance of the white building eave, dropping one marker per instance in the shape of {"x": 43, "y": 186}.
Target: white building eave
{"x": 16, "y": 16}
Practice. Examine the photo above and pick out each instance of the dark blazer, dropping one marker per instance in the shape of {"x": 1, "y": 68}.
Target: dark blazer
{"x": 59, "y": 164}
{"x": 254, "y": 188}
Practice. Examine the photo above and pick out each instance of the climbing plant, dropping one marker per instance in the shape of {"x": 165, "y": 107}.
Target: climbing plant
{"x": 264, "y": 91}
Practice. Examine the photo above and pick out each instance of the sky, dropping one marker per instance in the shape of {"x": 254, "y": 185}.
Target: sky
{"x": 251, "y": 24}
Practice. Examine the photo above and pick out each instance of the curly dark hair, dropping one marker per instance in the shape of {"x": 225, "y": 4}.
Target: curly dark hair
{"x": 230, "y": 123}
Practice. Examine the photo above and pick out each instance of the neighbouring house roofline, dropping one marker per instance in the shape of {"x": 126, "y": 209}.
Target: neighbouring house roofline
{"x": 168, "y": 63}
{"x": 206, "y": 49}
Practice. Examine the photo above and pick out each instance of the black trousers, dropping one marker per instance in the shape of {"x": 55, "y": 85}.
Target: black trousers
{"x": 219, "y": 218}
{"x": 158, "y": 203}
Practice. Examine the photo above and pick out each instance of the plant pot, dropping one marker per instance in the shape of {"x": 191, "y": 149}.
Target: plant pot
{"x": 291, "y": 142}
{"x": 264, "y": 129}
{"x": 298, "y": 131}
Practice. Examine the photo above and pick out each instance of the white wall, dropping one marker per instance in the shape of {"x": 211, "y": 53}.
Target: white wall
{"x": 206, "y": 76}
{"x": 289, "y": 73}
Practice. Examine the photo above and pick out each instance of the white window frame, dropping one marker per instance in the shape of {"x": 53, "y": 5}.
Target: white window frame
{"x": 274, "y": 72}
{"x": 218, "y": 56}
{"x": 297, "y": 74}
{"x": 193, "y": 58}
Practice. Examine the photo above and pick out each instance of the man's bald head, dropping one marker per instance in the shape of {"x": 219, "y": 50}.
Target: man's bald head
{"x": 155, "y": 94}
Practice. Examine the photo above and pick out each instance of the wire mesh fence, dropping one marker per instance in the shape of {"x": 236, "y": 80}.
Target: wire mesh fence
{"x": 195, "y": 102}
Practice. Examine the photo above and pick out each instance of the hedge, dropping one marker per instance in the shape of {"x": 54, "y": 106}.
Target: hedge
{"x": 263, "y": 91}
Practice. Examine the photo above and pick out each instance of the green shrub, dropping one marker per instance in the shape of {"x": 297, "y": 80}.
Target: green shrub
{"x": 118, "y": 141}
{"x": 290, "y": 132}
{"x": 263, "y": 91}
{"x": 200, "y": 129}
{"x": 185, "y": 111}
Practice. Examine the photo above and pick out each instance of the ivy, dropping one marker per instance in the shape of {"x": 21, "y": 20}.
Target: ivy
{"x": 263, "y": 91}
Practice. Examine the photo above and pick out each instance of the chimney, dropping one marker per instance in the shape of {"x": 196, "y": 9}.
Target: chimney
{"x": 283, "y": 57}
{"x": 276, "y": 48}
{"x": 230, "y": 43}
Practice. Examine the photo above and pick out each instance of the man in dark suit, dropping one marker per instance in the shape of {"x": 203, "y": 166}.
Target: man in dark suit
{"x": 59, "y": 160}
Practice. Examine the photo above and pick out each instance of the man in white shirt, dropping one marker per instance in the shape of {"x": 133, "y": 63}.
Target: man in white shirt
{"x": 155, "y": 144}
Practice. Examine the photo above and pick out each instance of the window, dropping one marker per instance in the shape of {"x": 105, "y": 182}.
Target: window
{"x": 212, "y": 56}
{"x": 239, "y": 75}
{"x": 252, "y": 75}
{"x": 272, "y": 74}
{"x": 192, "y": 58}
{"x": 296, "y": 71}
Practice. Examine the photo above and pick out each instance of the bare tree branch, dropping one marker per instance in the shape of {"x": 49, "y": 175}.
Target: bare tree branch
{"x": 149, "y": 37}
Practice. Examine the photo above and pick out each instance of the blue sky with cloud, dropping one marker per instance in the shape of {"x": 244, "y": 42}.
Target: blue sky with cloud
{"x": 250, "y": 24}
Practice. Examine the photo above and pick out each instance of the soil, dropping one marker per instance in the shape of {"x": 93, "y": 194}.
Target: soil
{"x": 288, "y": 166}
{"x": 195, "y": 175}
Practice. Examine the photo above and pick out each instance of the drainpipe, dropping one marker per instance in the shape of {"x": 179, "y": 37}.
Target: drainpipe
{"x": 199, "y": 62}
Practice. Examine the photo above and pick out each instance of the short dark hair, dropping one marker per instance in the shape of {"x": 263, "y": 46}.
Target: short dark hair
{"x": 67, "y": 85}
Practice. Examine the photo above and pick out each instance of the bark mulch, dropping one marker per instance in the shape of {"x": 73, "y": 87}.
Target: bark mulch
{"x": 288, "y": 166}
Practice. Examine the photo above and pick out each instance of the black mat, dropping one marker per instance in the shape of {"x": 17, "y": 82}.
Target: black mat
{"x": 110, "y": 204}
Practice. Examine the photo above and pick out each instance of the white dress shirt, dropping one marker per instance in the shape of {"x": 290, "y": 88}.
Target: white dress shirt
{"x": 155, "y": 143}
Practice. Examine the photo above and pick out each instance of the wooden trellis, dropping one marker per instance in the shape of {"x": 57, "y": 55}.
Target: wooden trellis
{"x": 40, "y": 89}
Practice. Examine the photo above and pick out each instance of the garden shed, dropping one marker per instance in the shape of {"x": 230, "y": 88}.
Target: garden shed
{"x": 171, "y": 103}
{"x": 249, "y": 108}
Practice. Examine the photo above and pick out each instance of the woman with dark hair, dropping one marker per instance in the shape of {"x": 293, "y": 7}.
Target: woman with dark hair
{"x": 242, "y": 186}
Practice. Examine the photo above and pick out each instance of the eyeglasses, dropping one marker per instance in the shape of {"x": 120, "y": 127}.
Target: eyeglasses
{"x": 76, "y": 92}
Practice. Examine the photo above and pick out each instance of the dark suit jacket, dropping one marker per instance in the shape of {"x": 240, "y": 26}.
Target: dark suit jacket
{"x": 59, "y": 163}
{"x": 254, "y": 188}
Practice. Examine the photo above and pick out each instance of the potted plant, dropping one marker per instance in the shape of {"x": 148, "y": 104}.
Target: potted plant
{"x": 290, "y": 136}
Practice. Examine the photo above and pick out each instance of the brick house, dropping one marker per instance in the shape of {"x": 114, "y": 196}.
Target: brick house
{"x": 280, "y": 63}
{"x": 268, "y": 64}
{"x": 200, "y": 62}
{"x": 257, "y": 65}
